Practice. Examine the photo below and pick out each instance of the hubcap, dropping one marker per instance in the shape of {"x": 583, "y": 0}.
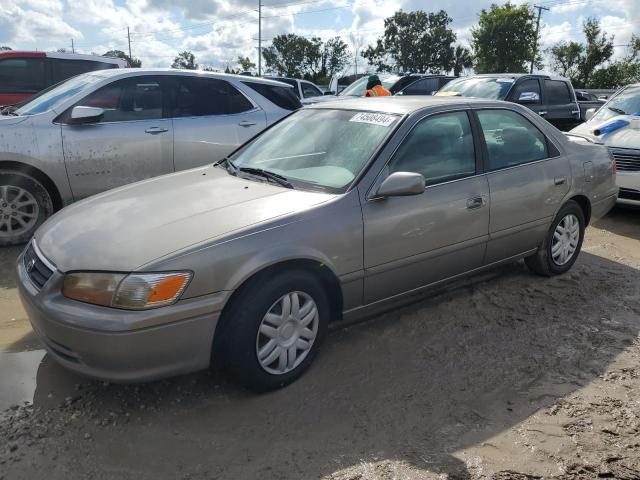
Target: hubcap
{"x": 565, "y": 239}
{"x": 18, "y": 211}
{"x": 287, "y": 332}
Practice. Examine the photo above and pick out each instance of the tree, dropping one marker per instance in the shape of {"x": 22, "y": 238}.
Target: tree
{"x": 289, "y": 55}
{"x": 335, "y": 56}
{"x": 416, "y": 42}
{"x": 566, "y": 57}
{"x": 132, "y": 61}
{"x": 4, "y": 47}
{"x": 461, "y": 59}
{"x": 245, "y": 64}
{"x": 583, "y": 63}
{"x": 185, "y": 60}
{"x": 621, "y": 72}
{"x": 504, "y": 39}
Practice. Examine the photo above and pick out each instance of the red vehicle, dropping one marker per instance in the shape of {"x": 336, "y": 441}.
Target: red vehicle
{"x": 23, "y": 74}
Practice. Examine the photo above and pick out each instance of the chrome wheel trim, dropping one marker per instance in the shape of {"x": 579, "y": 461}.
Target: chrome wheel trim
{"x": 287, "y": 332}
{"x": 19, "y": 211}
{"x": 565, "y": 240}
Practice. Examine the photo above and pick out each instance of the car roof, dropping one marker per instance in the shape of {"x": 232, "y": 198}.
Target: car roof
{"x": 124, "y": 72}
{"x": 518, "y": 75}
{"x": 401, "y": 105}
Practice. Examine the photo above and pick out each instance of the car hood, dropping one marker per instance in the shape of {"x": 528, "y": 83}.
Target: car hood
{"x": 625, "y": 137}
{"x": 126, "y": 228}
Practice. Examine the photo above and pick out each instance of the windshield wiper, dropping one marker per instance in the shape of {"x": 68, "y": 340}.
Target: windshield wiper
{"x": 279, "y": 179}
{"x": 617, "y": 110}
{"x": 231, "y": 168}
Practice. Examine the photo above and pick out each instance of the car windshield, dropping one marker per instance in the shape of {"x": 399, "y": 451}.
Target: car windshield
{"x": 321, "y": 149}
{"x": 359, "y": 87}
{"x": 626, "y": 102}
{"x": 50, "y": 99}
{"x": 494, "y": 88}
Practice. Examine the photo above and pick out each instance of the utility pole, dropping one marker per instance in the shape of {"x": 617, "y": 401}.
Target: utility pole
{"x": 259, "y": 38}
{"x": 129, "y": 40}
{"x": 73, "y": 50}
{"x": 535, "y": 43}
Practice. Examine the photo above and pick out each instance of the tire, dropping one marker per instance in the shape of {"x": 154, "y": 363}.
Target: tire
{"x": 551, "y": 259}
{"x": 24, "y": 205}
{"x": 246, "y": 331}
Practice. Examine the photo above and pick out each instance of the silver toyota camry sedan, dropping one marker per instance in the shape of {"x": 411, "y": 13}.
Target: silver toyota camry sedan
{"x": 336, "y": 212}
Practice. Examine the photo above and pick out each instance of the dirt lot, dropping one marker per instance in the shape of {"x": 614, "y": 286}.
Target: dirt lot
{"x": 508, "y": 375}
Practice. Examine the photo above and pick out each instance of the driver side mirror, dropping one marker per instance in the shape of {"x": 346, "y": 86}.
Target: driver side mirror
{"x": 329, "y": 92}
{"x": 82, "y": 115}
{"x": 588, "y": 115}
{"x": 528, "y": 97}
{"x": 401, "y": 184}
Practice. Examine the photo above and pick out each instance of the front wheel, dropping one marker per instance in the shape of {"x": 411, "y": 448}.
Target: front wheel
{"x": 563, "y": 242}
{"x": 24, "y": 205}
{"x": 271, "y": 334}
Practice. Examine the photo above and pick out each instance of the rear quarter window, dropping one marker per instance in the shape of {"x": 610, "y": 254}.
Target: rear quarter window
{"x": 283, "y": 97}
{"x": 22, "y": 75}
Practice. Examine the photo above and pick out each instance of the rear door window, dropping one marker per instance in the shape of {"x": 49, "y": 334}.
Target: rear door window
{"x": 526, "y": 86}
{"x": 62, "y": 68}
{"x": 22, "y": 75}
{"x": 557, "y": 92}
{"x": 283, "y": 97}
{"x": 197, "y": 97}
{"x": 511, "y": 139}
{"x": 309, "y": 90}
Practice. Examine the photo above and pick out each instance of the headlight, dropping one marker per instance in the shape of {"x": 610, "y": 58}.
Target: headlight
{"x": 137, "y": 291}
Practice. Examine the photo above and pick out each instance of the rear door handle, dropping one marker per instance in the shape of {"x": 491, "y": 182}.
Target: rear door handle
{"x": 475, "y": 202}
{"x": 559, "y": 180}
{"x": 247, "y": 123}
{"x": 156, "y": 130}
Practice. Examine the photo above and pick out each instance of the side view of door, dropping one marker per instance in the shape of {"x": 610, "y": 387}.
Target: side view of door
{"x": 132, "y": 141}
{"x": 211, "y": 118}
{"x": 528, "y": 179}
{"x": 412, "y": 241}
{"x": 563, "y": 110}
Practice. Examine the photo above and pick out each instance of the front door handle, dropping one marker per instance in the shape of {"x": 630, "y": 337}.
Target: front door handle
{"x": 559, "y": 180}
{"x": 156, "y": 130}
{"x": 475, "y": 202}
{"x": 542, "y": 113}
{"x": 247, "y": 123}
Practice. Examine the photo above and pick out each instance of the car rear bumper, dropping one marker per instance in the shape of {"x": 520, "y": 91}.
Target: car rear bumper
{"x": 135, "y": 346}
{"x": 601, "y": 208}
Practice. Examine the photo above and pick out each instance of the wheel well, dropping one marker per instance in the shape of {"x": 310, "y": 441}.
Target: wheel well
{"x": 585, "y": 205}
{"x": 40, "y": 176}
{"x": 324, "y": 273}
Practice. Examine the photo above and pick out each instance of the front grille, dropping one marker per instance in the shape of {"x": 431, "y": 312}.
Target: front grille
{"x": 627, "y": 161}
{"x": 629, "y": 194}
{"x": 36, "y": 268}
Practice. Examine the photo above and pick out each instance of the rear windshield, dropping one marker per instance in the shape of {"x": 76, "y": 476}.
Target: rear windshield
{"x": 284, "y": 97}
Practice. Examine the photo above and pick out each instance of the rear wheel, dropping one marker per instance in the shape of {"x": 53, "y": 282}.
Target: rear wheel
{"x": 563, "y": 242}
{"x": 271, "y": 334}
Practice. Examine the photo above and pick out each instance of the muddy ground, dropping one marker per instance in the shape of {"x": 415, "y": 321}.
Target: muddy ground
{"x": 508, "y": 375}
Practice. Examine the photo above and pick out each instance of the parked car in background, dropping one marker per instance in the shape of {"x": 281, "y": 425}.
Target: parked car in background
{"x": 23, "y": 74}
{"x": 551, "y": 97}
{"x": 306, "y": 91}
{"x": 621, "y": 111}
{"x": 104, "y": 129}
{"x": 337, "y": 212}
{"x": 412, "y": 84}
{"x": 587, "y": 101}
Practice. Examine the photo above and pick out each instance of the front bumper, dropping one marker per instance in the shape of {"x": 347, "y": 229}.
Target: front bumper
{"x": 629, "y": 183}
{"x": 121, "y": 346}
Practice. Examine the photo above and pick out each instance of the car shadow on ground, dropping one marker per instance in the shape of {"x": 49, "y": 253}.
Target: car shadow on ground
{"x": 623, "y": 220}
{"x": 415, "y": 386}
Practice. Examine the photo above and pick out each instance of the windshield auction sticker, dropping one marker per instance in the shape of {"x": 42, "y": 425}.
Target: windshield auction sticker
{"x": 373, "y": 118}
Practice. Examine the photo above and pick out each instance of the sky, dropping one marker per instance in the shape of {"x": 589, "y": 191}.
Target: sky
{"x": 218, "y": 31}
